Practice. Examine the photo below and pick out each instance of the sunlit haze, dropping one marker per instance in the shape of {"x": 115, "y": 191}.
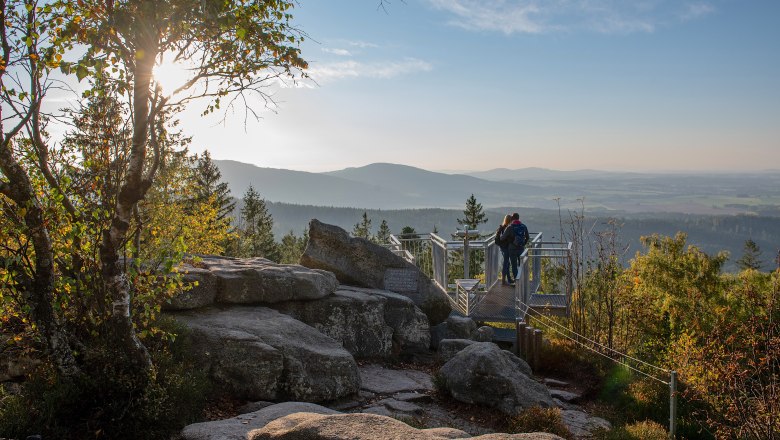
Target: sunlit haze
{"x": 475, "y": 85}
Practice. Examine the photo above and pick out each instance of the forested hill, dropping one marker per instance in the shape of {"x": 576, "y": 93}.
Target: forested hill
{"x": 392, "y": 186}
{"x": 710, "y": 233}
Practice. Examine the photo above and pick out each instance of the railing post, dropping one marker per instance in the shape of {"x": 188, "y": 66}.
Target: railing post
{"x": 537, "y": 256}
{"x": 537, "y": 349}
{"x": 673, "y": 405}
{"x": 520, "y": 334}
{"x": 528, "y": 344}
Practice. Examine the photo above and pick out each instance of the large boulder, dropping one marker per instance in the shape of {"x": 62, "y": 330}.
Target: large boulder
{"x": 354, "y": 319}
{"x": 455, "y": 327}
{"x": 308, "y": 426}
{"x": 249, "y": 281}
{"x": 201, "y": 289}
{"x": 260, "y": 354}
{"x": 238, "y": 427}
{"x": 359, "y": 262}
{"x": 484, "y": 374}
{"x": 448, "y": 348}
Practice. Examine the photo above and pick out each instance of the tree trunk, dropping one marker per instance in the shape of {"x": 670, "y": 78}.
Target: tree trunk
{"x": 132, "y": 190}
{"x": 39, "y": 294}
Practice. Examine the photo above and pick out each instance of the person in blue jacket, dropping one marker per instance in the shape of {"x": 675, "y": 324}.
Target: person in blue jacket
{"x": 516, "y": 234}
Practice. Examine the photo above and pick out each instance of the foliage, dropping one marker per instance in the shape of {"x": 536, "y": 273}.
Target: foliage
{"x": 751, "y": 256}
{"x": 256, "y": 238}
{"x": 108, "y": 403}
{"x": 644, "y": 430}
{"x": 734, "y": 370}
{"x": 383, "y": 234}
{"x": 292, "y": 247}
{"x": 473, "y": 214}
{"x": 536, "y": 419}
{"x": 363, "y": 228}
{"x": 208, "y": 185}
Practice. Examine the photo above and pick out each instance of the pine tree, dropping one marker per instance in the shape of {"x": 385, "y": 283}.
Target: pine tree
{"x": 257, "y": 239}
{"x": 751, "y": 256}
{"x": 474, "y": 215}
{"x": 363, "y": 229}
{"x": 291, "y": 248}
{"x": 208, "y": 182}
{"x": 383, "y": 234}
{"x": 408, "y": 230}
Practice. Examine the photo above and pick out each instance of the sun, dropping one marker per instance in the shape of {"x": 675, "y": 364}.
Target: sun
{"x": 170, "y": 75}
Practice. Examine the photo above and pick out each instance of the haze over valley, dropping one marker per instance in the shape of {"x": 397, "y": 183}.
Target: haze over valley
{"x": 718, "y": 211}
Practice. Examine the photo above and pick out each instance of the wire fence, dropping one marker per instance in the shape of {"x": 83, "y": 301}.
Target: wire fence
{"x": 595, "y": 347}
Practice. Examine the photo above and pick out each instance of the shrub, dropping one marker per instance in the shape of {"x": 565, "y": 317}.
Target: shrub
{"x": 536, "y": 419}
{"x": 564, "y": 359}
{"x": 106, "y": 402}
{"x": 645, "y": 430}
{"x": 440, "y": 383}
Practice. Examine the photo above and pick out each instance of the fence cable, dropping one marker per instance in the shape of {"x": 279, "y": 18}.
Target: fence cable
{"x": 625, "y": 364}
{"x": 640, "y": 361}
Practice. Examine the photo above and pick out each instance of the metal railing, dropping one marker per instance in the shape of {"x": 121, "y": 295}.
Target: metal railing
{"x": 544, "y": 278}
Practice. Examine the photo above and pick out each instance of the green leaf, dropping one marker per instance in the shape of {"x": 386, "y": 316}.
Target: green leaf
{"x": 81, "y": 72}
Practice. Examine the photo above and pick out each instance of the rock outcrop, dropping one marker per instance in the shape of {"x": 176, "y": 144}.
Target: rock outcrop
{"x": 454, "y": 327}
{"x": 261, "y": 354}
{"x": 367, "y": 322}
{"x": 484, "y": 374}
{"x": 237, "y": 428}
{"x": 356, "y": 261}
{"x": 364, "y": 427}
{"x": 228, "y": 280}
{"x": 354, "y": 319}
{"x": 448, "y": 348}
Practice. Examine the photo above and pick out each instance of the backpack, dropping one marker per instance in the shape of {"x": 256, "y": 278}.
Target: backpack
{"x": 498, "y": 241}
{"x": 520, "y": 235}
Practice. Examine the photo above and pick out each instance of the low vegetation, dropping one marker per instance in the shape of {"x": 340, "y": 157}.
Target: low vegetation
{"x": 537, "y": 419}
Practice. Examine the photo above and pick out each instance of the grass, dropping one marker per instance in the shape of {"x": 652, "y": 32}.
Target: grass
{"x": 536, "y": 419}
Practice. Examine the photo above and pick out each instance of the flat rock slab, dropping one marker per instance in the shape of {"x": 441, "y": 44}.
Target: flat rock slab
{"x": 581, "y": 424}
{"x": 257, "y": 280}
{"x": 238, "y": 427}
{"x": 261, "y": 354}
{"x": 566, "y": 396}
{"x": 380, "y": 380}
{"x": 555, "y": 383}
{"x": 363, "y": 427}
{"x": 412, "y": 397}
{"x": 401, "y": 406}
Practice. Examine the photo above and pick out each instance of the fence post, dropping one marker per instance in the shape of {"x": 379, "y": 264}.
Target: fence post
{"x": 537, "y": 349}
{"x": 466, "y": 255}
{"x": 673, "y": 405}
{"x": 520, "y": 337}
{"x": 529, "y": 340}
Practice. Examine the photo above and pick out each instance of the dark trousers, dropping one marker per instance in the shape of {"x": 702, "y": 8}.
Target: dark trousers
{"x": 505, "y": 276}
{"x": 514, "y": 259}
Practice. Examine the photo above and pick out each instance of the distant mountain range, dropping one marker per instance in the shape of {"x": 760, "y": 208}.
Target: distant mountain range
{"x": 392, "y": 186}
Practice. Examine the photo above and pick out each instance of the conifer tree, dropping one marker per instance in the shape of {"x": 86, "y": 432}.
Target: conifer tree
{"x": 363, "y": 229}
{"x": 208, "y": 180}
{"x": 291, "y": 248}
{"x": 257, "y": 239}
{"x": 751, "y": 256}
{"x": 383, "y": 234}
{"x": 474, "y": 215}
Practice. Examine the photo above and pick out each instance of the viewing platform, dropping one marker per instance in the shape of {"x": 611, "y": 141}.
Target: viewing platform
{"x": 467, "y": 269}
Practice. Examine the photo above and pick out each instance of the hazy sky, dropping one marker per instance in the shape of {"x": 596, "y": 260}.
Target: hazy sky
{"x": 563, "y": 84}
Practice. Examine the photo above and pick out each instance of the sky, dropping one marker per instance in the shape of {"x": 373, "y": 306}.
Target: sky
{"x": 641, "y": 85}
